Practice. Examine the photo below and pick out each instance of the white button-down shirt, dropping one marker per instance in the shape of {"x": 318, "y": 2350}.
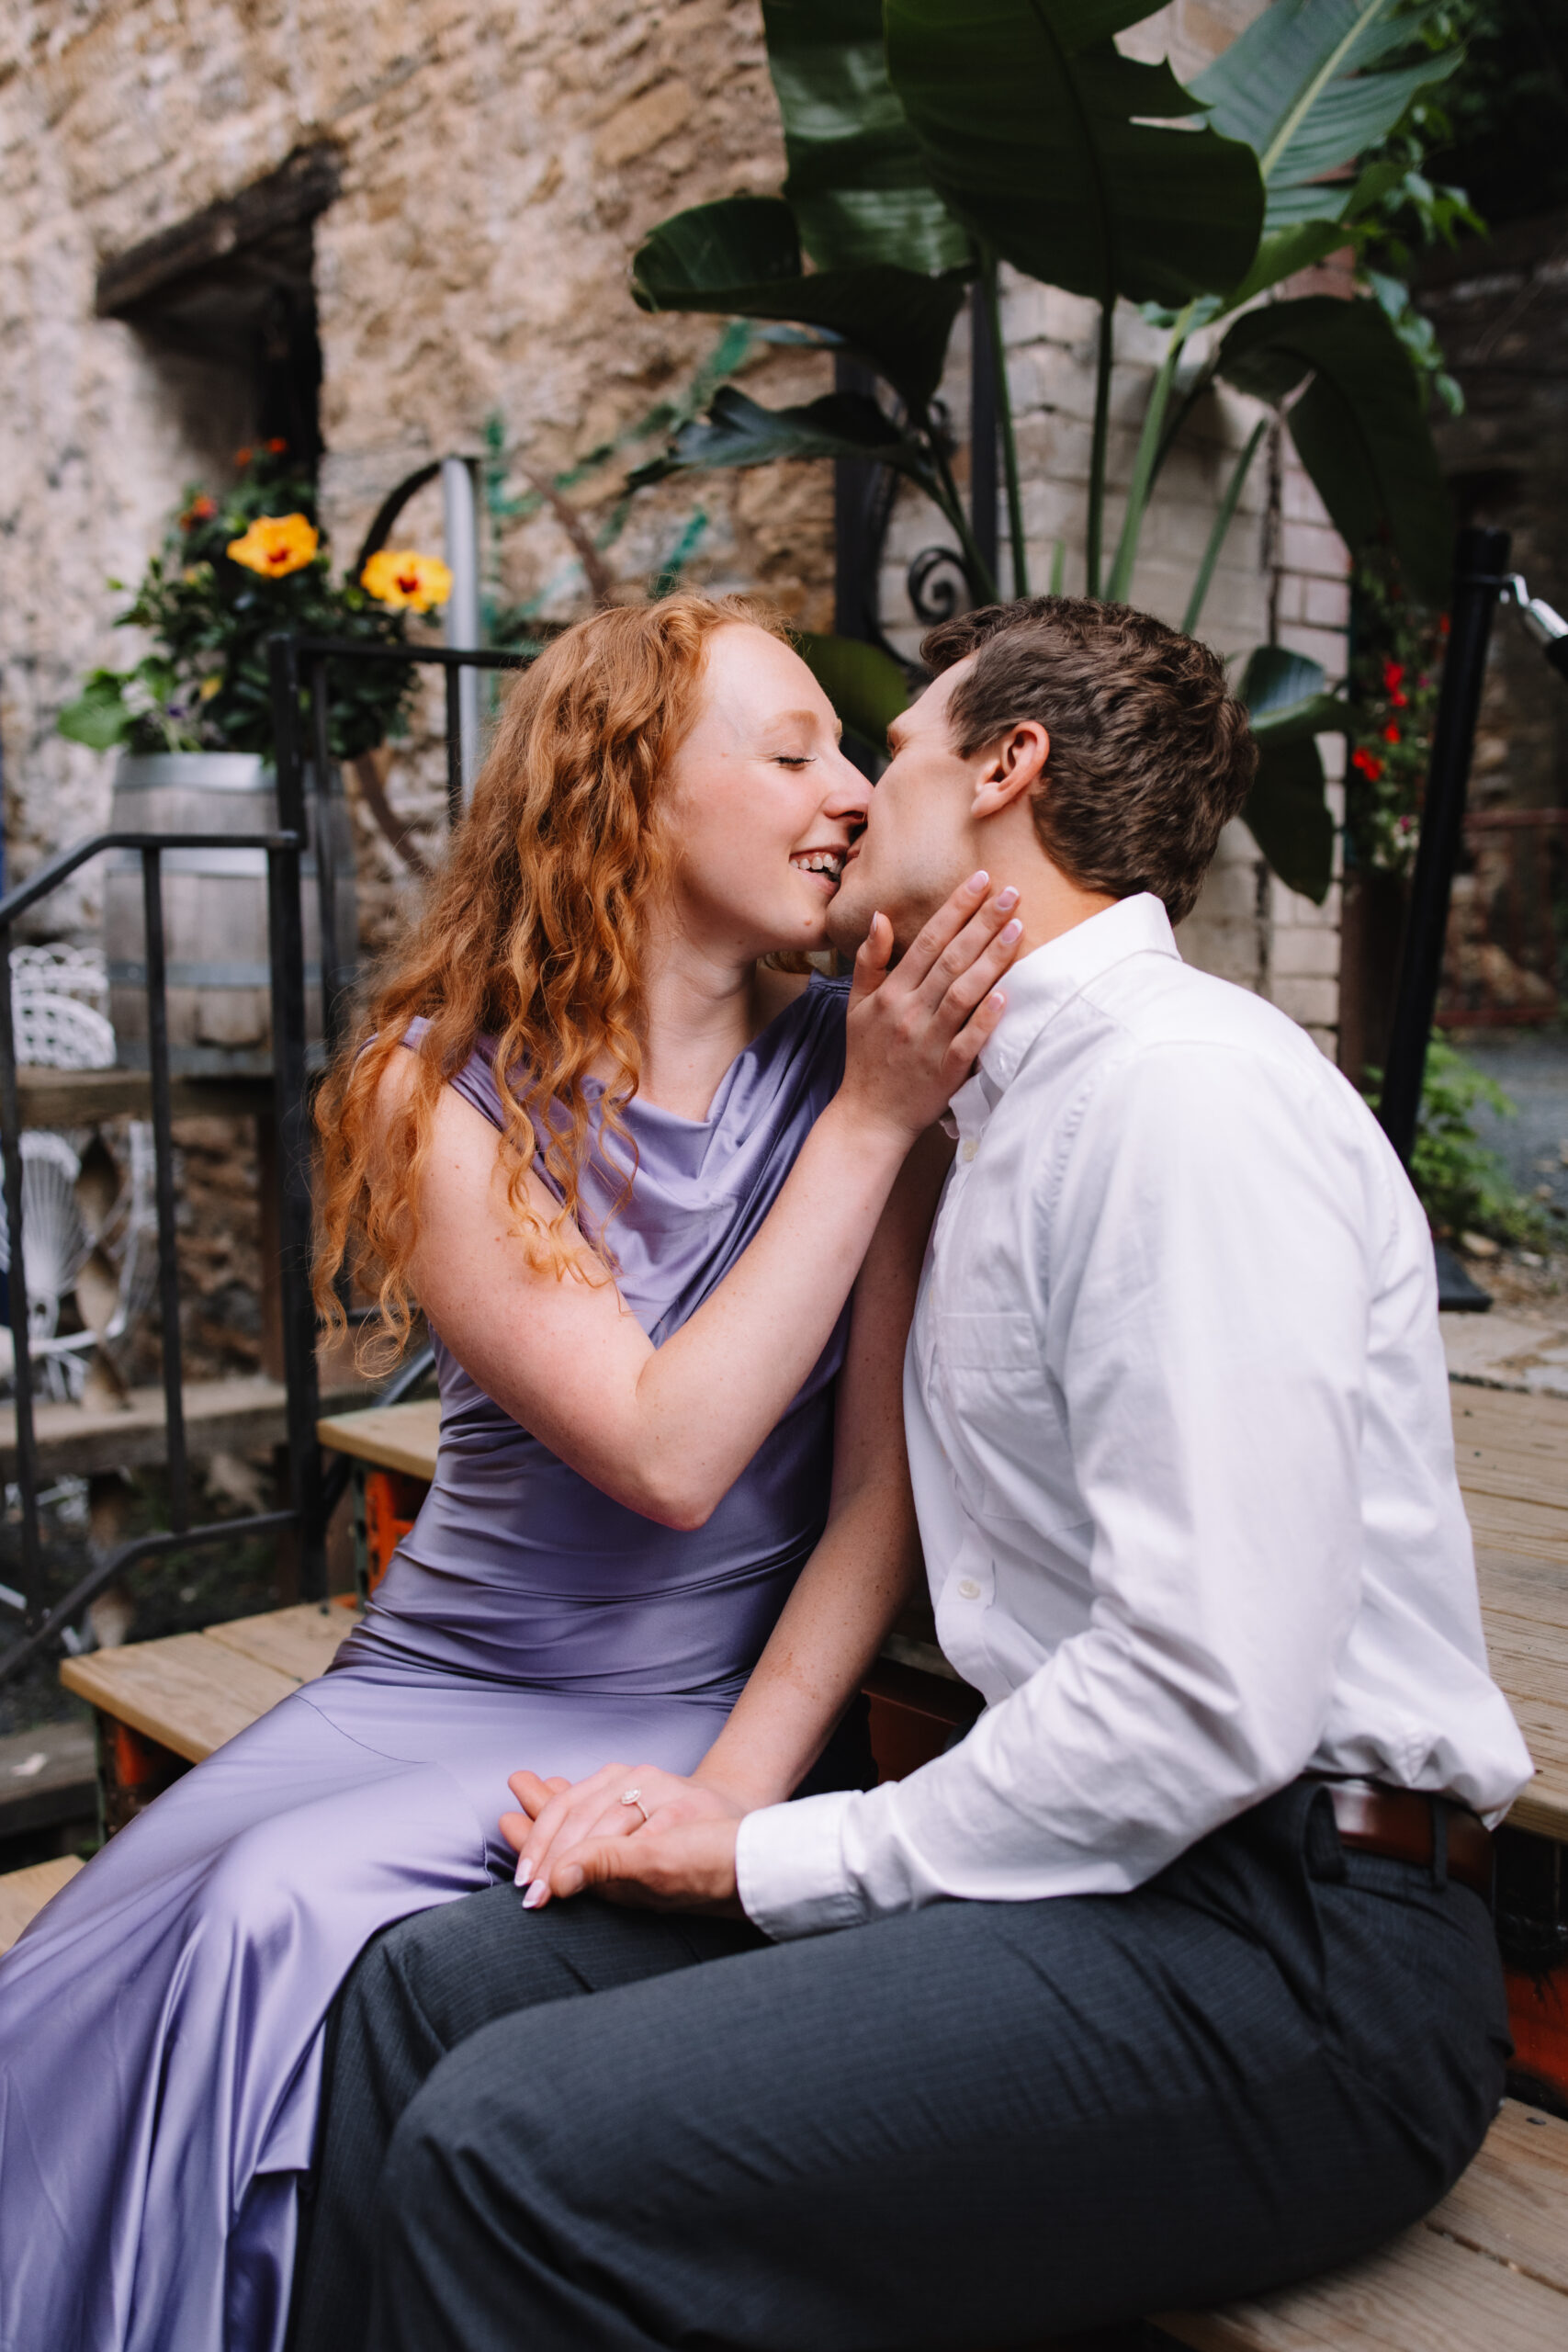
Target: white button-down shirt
{"x": 1179, "y": 1435}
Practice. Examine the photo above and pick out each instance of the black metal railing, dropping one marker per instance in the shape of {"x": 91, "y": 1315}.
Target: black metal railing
{"x": 302, "y": 683}
{"x": 41, "y": 1623}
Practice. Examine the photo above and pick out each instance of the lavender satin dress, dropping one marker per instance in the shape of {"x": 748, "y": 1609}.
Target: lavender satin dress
{"x": 161, "y": 2019}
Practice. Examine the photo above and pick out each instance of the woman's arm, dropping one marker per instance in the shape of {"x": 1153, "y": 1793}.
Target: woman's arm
{"x": 668, "y": 1430}
{"x": 847, "y": 1596}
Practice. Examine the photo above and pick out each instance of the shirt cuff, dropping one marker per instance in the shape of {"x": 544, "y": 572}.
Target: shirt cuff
{"x": 789, "y": 1868}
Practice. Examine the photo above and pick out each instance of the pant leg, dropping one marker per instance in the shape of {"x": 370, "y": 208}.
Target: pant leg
{"x": 977, "y": 2123}
{"x": 420, "y": 1989}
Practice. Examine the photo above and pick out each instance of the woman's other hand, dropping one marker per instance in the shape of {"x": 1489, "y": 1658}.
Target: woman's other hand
{"x": 914, "y": 1030}
{"x": 558, "y": 1816}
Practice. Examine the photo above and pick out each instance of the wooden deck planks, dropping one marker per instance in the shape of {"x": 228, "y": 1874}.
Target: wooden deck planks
{"x": 23, "y": 1893}
{"x": 193, "y": 1691}
{"x": 392, "y": 1437}
{"x": 1488, "y": 2268}
{"x": 300, "y": 1642}
{"x": 188, "y": 1693}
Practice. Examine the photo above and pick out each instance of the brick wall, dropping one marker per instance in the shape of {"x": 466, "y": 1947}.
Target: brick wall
{"x": 498, "y": 164}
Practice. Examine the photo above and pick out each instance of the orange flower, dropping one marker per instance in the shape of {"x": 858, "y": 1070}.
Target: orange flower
{"x": 242, "y": 456}
{"x": 275, "y": 447}
{"x": 399, "y": 576}
{"x": 200, "y": 510}
{"x": 277, "y": 545}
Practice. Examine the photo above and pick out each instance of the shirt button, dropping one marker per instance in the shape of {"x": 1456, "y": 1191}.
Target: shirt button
{"x": 969, "y": 1589}
{"x": 970, "y": 1148}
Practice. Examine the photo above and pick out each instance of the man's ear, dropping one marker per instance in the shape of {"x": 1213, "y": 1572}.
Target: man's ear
{"x": 1015, "y": 765}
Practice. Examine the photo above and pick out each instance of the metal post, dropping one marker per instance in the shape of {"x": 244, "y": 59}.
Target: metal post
{"x": 286, "y": 943}
{"x": 1481, "y": 566}
{"x": 983, "y": 429}
{"x": 462, "y": 536}
{"x": 164, "y": 1172}
{"x": 335, "y": 980}
{"x": 456, "y": 678}
{"x": 27, "y": 1443}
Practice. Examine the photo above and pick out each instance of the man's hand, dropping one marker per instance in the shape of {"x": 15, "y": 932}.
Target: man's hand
{"x": 560, "y": 1817}
{"x": 687, "y": 1868}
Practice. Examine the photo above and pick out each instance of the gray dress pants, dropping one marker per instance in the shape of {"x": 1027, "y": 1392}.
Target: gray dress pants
{"x": 977, "y": 2125}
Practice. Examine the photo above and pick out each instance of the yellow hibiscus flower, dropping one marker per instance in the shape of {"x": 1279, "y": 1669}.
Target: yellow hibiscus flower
{"x": 277, "y": 545}
{"x": 399, "y": 576}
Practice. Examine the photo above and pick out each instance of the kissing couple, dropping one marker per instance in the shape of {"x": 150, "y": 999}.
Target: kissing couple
{"x": 1026, "y": 1251}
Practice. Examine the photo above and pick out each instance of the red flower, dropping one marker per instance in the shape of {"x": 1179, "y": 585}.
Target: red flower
{"x": 1367, "y": 763}
{"x": 1391, "y": 735}
{"x": 276, "y": 448}
{"x": 242, "y": 456}
{"x": 200, "y": 510}
{"x": 1392, "y": 676}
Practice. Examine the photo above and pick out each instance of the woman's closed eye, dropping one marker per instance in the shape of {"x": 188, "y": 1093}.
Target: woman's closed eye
{"x": 796, "y": 759}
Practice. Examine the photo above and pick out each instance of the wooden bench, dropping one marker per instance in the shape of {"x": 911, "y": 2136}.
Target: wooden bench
{"x": 23, "y": 1893}
{"x": 1489, "y": 2267}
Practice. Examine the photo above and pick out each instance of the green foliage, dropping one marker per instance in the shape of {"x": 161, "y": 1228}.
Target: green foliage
{"x": 1396, "y": 658}
{"x": 1315, "y": 87}
{"x": 1056, "y": 153}
{"x": 205, "y": 687}
{"x": 742, "y": 256}
{"x": 1506, "y": 133}
{"x": 1358, "y": 426}
{"x": 858, "y": 185}
{"x": 1460, "y": 1181}
{"x": 1289, "y": 709}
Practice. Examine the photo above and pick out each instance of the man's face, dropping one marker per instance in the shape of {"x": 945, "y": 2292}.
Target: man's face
{"x": 920, "y": 841}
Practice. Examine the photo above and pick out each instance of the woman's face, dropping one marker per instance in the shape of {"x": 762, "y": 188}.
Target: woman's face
{"x": 761, "y": 804}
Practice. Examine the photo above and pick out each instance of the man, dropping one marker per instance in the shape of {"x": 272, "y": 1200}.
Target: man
{"x": 1174, "y": 1980}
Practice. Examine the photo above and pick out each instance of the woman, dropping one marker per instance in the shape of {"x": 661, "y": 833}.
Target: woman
{"x": 630, "y": 1172}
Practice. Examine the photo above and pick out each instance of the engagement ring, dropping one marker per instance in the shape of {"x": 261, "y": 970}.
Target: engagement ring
{"x": 634, "y": 1796}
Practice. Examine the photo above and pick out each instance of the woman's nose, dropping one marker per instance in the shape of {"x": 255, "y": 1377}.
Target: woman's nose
{"x": 849, "y": 795}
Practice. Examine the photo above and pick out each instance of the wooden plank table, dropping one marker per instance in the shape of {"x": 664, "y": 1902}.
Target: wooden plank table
{"x": 193, "y": 1691}
{"x": 25, "y": 1892}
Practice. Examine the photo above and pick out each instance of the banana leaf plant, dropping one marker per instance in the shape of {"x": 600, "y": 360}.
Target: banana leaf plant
{"x": 928, "y": 140}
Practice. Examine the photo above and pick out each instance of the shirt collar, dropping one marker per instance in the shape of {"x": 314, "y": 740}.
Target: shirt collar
{"x": 1042, "y": 982}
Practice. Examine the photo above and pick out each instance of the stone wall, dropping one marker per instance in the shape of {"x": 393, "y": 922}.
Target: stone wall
{"x": 497, "y": 165}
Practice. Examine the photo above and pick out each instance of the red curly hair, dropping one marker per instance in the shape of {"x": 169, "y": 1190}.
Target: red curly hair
{"x": 531, "y": 936}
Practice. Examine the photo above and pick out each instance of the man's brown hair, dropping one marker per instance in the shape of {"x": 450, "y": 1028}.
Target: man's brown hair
{"x": 1150, "y": 751}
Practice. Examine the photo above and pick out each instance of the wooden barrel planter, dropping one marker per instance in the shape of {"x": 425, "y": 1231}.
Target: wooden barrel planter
{"x": 215, "y": 932}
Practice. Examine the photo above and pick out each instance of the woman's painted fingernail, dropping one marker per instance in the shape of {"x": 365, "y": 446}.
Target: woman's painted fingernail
{"x": 523, "y": 1872}
{"x": 977, "y": 882}
{"x": 536, "y": 1894}
{"x": 1009, "y": 932}
{"x": 1006, "y": 898}
{"x": 997, "y": 999}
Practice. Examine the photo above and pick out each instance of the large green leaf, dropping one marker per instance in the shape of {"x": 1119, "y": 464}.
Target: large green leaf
{"x": 857, "y": 181}
{"x": 739, "y": 431}
{"x": 1359, "y": 427}
{"x": 1288, "y": 807}
{"x": 741, "y": 258}
{"x": 865, "y": 686}
{"x": 1298, "y": 86}
{"x": 1047, "y": 143}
